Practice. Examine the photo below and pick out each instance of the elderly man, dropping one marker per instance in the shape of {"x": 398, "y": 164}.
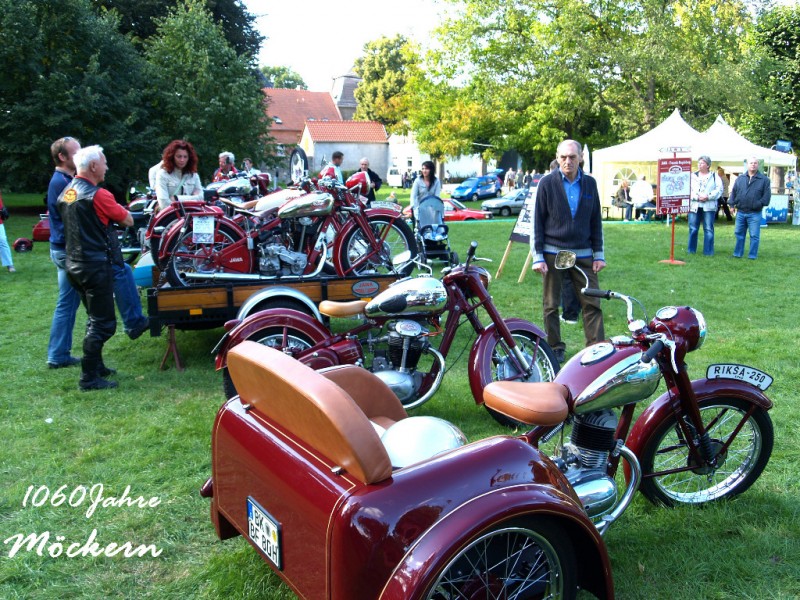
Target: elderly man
{"x": 566, "y": 216}
{"x": 227, "y": 169}
{"x": 375, "y": 180}
{"x": 89, "y": 213}
{"x": 750, "y": 194}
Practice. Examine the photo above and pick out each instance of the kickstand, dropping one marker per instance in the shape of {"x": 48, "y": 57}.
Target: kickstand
{"x": 172, "y": 348}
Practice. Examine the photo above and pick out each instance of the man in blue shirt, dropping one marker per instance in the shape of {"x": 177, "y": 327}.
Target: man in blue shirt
{"x": 566, "y": 216}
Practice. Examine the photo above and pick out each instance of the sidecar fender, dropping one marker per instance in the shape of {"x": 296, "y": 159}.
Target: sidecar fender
{"x": 482, "y": 350}
{"x": 661, "y": 409}
{"x": 436, "y": 547}
{"x": 273, "y": 317}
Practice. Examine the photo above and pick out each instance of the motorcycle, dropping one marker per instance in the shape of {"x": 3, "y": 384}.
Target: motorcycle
{"x": 702, "y": 440}
{"x": 289, "y": 238}
{"x": 394, "y": 338}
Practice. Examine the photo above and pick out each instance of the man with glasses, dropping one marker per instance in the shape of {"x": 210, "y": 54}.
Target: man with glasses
{"x": 566, "y": 216}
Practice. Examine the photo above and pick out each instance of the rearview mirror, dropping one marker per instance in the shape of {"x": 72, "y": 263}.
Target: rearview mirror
{"x": 565, "y": 259}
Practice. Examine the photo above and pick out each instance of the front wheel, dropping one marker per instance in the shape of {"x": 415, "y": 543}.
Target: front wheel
{"x": 741, "y": 445}
{"x": 358, "y": 257}
{"x": 502, "y": 365}
{"x": 528, "y": 558}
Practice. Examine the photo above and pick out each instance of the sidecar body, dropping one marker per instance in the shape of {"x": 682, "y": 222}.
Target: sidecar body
{"x": 300, "y": 470}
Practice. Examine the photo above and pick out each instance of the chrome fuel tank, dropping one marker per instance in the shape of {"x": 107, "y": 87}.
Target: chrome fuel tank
{"x": 412, "y": 296}
{"x": 315, "y": 204}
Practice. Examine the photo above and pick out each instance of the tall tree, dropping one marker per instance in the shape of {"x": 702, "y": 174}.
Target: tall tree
{"x": 284, "y": 77}
{"x": 203, "y": 91}
{"x": 385, "y": 69}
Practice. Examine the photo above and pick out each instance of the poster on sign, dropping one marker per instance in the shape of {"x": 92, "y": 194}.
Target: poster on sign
{"x": 674, "y": 185}
{"x": 523, "y": 228}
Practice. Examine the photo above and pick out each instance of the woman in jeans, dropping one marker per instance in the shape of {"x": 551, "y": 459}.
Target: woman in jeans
{"x": 5, "y": 249}
{"x": 706, "y": 190}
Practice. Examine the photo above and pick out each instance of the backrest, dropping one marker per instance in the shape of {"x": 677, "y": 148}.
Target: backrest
{"x": 311, "y": 407}
{"x": 371, "y": 394}
{"x": 430, "y": 211}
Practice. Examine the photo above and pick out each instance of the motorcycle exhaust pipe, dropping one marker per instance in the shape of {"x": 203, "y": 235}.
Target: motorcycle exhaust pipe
{"x": 627, "y": 497}
{"x": 434, "y": 386}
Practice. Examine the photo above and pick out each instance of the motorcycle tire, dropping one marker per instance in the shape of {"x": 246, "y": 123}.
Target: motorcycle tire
{"x": 355, "y": 246}
{"x": 286, "y": 338}
{"x": 524, "y": 558}
{"x": 740, "y": 464}
{"x": 186, "y": 257}
{"x": 499, "y": 368}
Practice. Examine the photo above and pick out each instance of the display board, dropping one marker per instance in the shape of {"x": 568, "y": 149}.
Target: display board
{"x": 674, "y": 185}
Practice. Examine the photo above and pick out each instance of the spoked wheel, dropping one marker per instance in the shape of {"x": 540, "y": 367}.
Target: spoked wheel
{"x": 504, "y": 366}
{"x": 527, "y": 560}
{"x": 359, "y": 258}
{"x": 286, "y": 338}
{"x": 186, "y": 256}
{"x": 673, "y": 475}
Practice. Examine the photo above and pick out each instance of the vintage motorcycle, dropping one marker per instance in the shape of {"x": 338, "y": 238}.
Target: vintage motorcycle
{"x": 288, "y": 238}
{"x": 702, "y": 440}
{"x": 395, "y": 337}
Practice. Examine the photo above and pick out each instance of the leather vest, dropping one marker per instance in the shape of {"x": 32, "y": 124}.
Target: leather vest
{"x": 87, "y": 239}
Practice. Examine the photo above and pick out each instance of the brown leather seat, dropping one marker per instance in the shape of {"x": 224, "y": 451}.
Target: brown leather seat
{"x": 371, "y": 394}
{"x": 342, "y": 309}
{"x": 312, "y": 407}
{"x": 530, "y": 403}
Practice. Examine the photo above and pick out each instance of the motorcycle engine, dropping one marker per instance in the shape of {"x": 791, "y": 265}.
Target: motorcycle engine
{"x": 396, "y": 365}
{"x": 276, "y": 259}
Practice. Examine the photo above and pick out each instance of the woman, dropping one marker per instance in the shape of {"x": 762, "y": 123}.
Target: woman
{"x": 425, "y": 185}
{"x": 5, "y": 249}
{"x": 706, "y": 190}
{"x": 177, "y": 178}
{"x": 623, "y": 199}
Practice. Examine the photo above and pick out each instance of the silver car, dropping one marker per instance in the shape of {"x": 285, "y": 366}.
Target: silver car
{"x": 510, "y": 204}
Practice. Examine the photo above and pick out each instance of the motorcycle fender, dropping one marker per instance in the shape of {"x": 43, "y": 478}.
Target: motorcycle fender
{"x": 482, "y": 350}
{"x": 416, "y": 572}
{"x": 277, "y": 293}
{"x": 273, "y": 317}
{"x": 661, "y": 409}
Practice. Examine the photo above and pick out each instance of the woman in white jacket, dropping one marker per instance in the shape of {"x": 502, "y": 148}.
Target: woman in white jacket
{"x": 177, "y": 179}
{"x": 706, "y": 190}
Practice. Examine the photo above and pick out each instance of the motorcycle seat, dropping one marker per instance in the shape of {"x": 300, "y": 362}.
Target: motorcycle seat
{"x": 332, "y": 308}
{"x": 530, "y": 403}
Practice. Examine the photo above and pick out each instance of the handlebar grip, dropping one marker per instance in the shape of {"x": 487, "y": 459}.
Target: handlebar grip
{"x": 471, "y": 252}
{"x": 594, "y": 293}
{"x": 657, "y": 347}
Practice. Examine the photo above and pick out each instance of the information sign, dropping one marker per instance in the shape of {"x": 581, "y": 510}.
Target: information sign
{"x": 674, "y": 185}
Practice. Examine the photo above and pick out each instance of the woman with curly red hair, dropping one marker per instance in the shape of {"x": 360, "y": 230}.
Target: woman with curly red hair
{"x": 177, "y": 179}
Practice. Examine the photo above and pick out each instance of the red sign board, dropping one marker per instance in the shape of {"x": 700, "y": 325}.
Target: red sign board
{"x": 674, "y": 185}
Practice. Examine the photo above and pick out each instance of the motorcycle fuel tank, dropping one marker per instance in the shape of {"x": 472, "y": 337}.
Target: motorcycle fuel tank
{"x": 412, "y": 296}
{"x": 315, "y": 204}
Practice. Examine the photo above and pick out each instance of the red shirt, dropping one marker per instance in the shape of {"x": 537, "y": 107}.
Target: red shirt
{"x": 107, "y": 208}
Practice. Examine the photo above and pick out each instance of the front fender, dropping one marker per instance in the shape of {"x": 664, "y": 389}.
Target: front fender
{"x": 273, "y": 317}
{"x": 437, "y": 546}
{"x": 661, "y": 409}
{"x": 481, "y": 353}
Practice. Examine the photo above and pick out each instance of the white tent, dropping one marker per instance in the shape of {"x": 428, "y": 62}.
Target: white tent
{"x": 723, "y": 144}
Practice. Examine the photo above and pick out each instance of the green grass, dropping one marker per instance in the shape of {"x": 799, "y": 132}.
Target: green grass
{"x": 154, "y": 432}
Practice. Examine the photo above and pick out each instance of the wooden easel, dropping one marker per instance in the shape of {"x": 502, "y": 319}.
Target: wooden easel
{"x": 521, "y": 233}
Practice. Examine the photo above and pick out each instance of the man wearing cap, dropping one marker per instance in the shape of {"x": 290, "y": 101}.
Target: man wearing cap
{"x": 706, "y": 190}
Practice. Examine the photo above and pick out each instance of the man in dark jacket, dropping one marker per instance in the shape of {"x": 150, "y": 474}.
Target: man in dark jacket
{"x": 375, "y": 181}
{"x": 750, "y": 194}
{"x": 567, "y": 216}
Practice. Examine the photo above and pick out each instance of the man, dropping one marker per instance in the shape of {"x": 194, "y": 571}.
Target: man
{"x": 88, "y": 213}
{"x": 566, "y": 216}
{"x": 226, "y": 167}
{"x": 336, "y": 162}
{"x": 125, "y": 292}
{"x": 642, "y": 196}
{"x": 375, "y": 181}
{"x": 750, "y": 194}
{"x": 249, "y": 169}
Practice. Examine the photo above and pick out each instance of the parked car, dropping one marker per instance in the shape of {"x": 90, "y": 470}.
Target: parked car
{"x": 394, "y": 178}
{"x": 455, "y": 211}
{"x": 510, "y": 204}
{"x": 476, "y": 188}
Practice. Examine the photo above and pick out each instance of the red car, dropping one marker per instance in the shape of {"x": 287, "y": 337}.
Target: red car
{"x": 455, "y": 211}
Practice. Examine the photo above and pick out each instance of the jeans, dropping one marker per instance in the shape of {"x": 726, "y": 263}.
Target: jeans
{"x": 708, "y": 231}
{"x": 747, "y": 221}
{"x": 5, "y": 249}
{"x": 126, "y": 295}
{"x": 60, "y": 345}
{"x": 628, "y": 212}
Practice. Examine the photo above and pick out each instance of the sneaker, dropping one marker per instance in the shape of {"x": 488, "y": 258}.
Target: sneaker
{"x": 105, "y": 371}
{"x": 98, "y": 383}
{"x": 70, "y": 362}
{"x": 12, "y": 270}
{"x": 568, "y": 321}
{"x": 136, "y": 332}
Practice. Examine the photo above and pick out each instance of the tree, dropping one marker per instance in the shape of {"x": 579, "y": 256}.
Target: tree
{"x": 203, "y": 91}
{"x": 284, "y": 77}
{"x": 67, "y": 71}
{"x": 139, "y": 18}
{"x": 385, "y": 69}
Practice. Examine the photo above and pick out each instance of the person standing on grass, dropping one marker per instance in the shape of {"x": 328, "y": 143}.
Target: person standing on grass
{"x": 566, "y": 216}
{"x": 5, "y": 249}
{"x": 427, "y": 184}
{"x": 706, "y": 190}
{"x": 750, "y": 194}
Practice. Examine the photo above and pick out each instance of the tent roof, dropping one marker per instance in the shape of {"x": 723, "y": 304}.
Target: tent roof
{"x": 673, "y": 132}
{"x": 723, "y": 143}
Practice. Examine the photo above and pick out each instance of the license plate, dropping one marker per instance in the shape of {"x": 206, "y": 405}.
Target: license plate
{"x": 264, "y": 531}
{"x": 741, "y": 373}
{"x": 385, "y": 204}
{"x": 203, "y": 230}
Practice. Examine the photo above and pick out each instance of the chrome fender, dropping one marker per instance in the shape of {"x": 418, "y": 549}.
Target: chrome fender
{"x": 275, "y": 293}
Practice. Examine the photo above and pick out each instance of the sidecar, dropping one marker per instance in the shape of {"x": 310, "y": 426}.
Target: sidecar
{"x": 306, "y": 467}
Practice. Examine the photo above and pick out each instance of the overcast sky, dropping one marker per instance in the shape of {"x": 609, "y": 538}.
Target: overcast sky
{"x": 321, "y": 40}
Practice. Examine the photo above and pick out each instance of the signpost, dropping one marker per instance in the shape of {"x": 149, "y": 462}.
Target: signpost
{"x": 674, "y": 190}
{"x": 523, "y": 229}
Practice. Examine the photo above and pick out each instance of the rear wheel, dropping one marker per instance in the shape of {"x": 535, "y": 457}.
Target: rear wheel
{"x": 740, "y": 456}
{"x": 528, "y": 558}
{"x": 505, "y": 211}
{"x": 186, "y": 256}
{"x": 359, "y": 258}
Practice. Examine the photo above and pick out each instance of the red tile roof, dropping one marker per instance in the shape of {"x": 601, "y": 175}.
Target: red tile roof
{"x": 294, "y": 108}
{"x": 368, "y": 132}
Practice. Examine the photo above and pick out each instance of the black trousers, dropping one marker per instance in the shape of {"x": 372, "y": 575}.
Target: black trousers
{"x": 94, "y": 282}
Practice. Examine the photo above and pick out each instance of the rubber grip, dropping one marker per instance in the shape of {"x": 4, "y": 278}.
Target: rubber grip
{"x": 593, "y": 293}
{"x": 653, "y": 351}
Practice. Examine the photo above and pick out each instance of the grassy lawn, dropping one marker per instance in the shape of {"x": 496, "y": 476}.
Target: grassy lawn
{"x": 153, "y": 433}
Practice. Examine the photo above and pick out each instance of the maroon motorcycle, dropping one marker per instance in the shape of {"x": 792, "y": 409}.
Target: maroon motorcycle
{"x": 702, "y": 440}
{"x": 395, "y": 340}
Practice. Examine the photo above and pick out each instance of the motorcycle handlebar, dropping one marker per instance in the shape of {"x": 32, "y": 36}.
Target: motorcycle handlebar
{"x": 594, "y": 293}
{"x": 657, "y": 347}
{"x": 471, "y": 252}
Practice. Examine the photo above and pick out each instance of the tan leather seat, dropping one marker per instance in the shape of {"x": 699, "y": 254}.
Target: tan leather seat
{"x": 530, "y": 403}
{"x": 312, "y": 407}
{"x": 372, "y": 395}
{"x": 342, "y": 309}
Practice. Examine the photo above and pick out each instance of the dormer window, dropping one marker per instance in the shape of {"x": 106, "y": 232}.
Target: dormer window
{"x": 277, "y": 120}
